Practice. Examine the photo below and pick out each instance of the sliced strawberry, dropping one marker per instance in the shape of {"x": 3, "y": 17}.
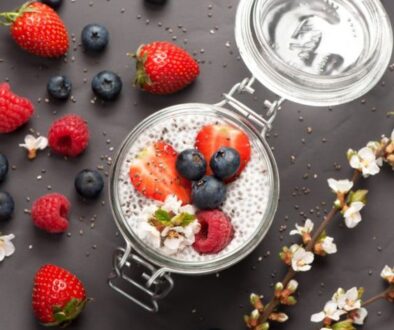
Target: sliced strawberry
{"x": 153, "y": 173}
{"x": 212, "y": 137}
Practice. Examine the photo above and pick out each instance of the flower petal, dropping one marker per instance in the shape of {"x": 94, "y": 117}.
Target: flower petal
{"x": 41, "y": 142}
{"x": 318, "y": 317}
{"x": 9, "y": 248}
{"x": 367, "y": 154}
{"x": 362, "y": 313}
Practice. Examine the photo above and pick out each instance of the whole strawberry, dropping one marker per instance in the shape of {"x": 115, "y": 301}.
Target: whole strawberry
{"x": 38, "y": 29}
{"x": 58, "y": 296}
{"x": 164, "y": 68}
{"x": 14, "y": 110}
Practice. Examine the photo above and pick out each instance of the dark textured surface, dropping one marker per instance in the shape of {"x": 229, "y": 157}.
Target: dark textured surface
{"x": 210, "y": 301}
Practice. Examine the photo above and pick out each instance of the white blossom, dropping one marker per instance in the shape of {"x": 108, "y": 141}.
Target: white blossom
{"x": 32, "y": 144}
{"x": 360, "y": 316}
{"x": 171, "y": 204}
{"x": 340, "y": 186}
{"x": 347, "y": 301}
{"x": 328, "y": 245}
{"x": 365, "y": 161}
{"x": 174, "y": 205}
{"x": 149, "y": 234}
{"x": 7, "y": 248}
{"x": 301, "y": 260}
{"x": 302, "y": 230}
{"x": 388, "y": 274}
{"x": 352, "y": 215}
{"x": 175, "y": 239}
{"x": 330, "y": 311}
{"x": 392, "y": 136}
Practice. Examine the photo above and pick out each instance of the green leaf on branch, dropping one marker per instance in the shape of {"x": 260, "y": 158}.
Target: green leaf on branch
{"x": 358, "y": 196}
{"x": 344, "y": 325}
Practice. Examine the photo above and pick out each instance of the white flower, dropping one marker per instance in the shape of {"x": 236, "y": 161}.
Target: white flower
{"x": 352, "y": 215}
{"x": 175, "y": 239}
{"x": 340, "y": 186}
{"x": 365, "y": 161}
{"x": 149, "y": 234}
{"x": 388, "y": 274}
{"x": 301, "y": 260}
{"x": 32, "y": 144}
{"x": 7, "y": 248}
{"x": 330, "y": 311}
{"x": 172, "y": 204}
{"x": 392, "y": 136}
{"x": 360, "y": 316}
{"x": 329, "y": 246}
{"x": 348, "y": 301}
{"x": 187, "y": 209}
{"x": 302, "y": 230}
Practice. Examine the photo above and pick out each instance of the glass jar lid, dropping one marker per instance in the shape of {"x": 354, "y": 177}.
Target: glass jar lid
{"x": 315, "y": 52}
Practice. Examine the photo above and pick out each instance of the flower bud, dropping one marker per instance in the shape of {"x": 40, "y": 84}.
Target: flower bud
{"x": 278, "y": 317}
{"x": 292, "y": 286}
{"x": 290, "y": 301}
{"x": 279, "y": 286}
{"x": 256, "y": 302}
{"x": 264, "y": 326}
{"x": 255, "y": 315}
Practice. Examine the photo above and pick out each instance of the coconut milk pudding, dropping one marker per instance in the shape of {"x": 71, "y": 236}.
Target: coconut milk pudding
{"x": 193, "y": 188}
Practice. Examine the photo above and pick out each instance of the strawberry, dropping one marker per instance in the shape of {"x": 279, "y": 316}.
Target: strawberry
{"x": 38, "y": 29}
{"x": 212, "y": 137}
{"x": 164, "y": 68}
{"x": 58, "y": 296}
{"x": 153, "y": 173}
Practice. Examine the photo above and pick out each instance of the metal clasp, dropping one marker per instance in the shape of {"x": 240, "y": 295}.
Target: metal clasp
{"x": 245, "y": 86}
{"x": 151, "y": 282}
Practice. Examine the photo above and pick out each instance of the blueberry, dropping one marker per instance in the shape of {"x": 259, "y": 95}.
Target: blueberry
{"x": 225, "y": 163}
{"x": 94, "y": 37}
{"x": 191, "y": 164}
{"x": 208, "y": 193}
{"x": 107, "y": 85}
{"x": 59, "y": 87}
{"x": 3, "y": 167}
{"x": 53, "y": 3}
{"x": 89, "y": 183}
{"x": 7, "y": 205}
{"x": 156, "y": 2}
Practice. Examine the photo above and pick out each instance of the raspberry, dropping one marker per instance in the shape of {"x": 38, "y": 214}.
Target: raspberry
{"x": 69, "y": 135}
{"x": 14, "y": 110}
{"x": 49, "y": 213}
{"x": 216, "y": 232}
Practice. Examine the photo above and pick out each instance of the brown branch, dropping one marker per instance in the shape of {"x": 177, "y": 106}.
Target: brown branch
{"x": 291, "y": 274}
{"x": 380, "y": 296}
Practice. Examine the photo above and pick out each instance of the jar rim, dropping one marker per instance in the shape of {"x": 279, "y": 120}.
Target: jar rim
{"x": 200, "y": 267}
{"x": 303, "y": 87}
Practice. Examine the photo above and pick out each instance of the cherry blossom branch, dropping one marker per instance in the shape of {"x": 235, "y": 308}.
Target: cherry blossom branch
{"x": 349, "y": 203}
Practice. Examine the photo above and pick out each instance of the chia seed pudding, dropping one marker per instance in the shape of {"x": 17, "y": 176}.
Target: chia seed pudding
{"x": 247, "y": 197}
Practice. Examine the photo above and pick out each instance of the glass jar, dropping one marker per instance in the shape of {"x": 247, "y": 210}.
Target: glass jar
{"x": 317, "y": 52}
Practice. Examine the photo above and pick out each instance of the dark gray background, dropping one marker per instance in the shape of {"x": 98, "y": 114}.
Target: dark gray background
{"x": 210, "y": 301}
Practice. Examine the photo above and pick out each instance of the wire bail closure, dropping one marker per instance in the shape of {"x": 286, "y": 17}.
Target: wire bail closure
{"x": 245, "y": 86}
{"x": 153, "y": 283}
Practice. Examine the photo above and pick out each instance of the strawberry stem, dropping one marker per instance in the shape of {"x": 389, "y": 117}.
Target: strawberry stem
{"x": 141, "y": 77}
{"x": 8, "y": 18}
